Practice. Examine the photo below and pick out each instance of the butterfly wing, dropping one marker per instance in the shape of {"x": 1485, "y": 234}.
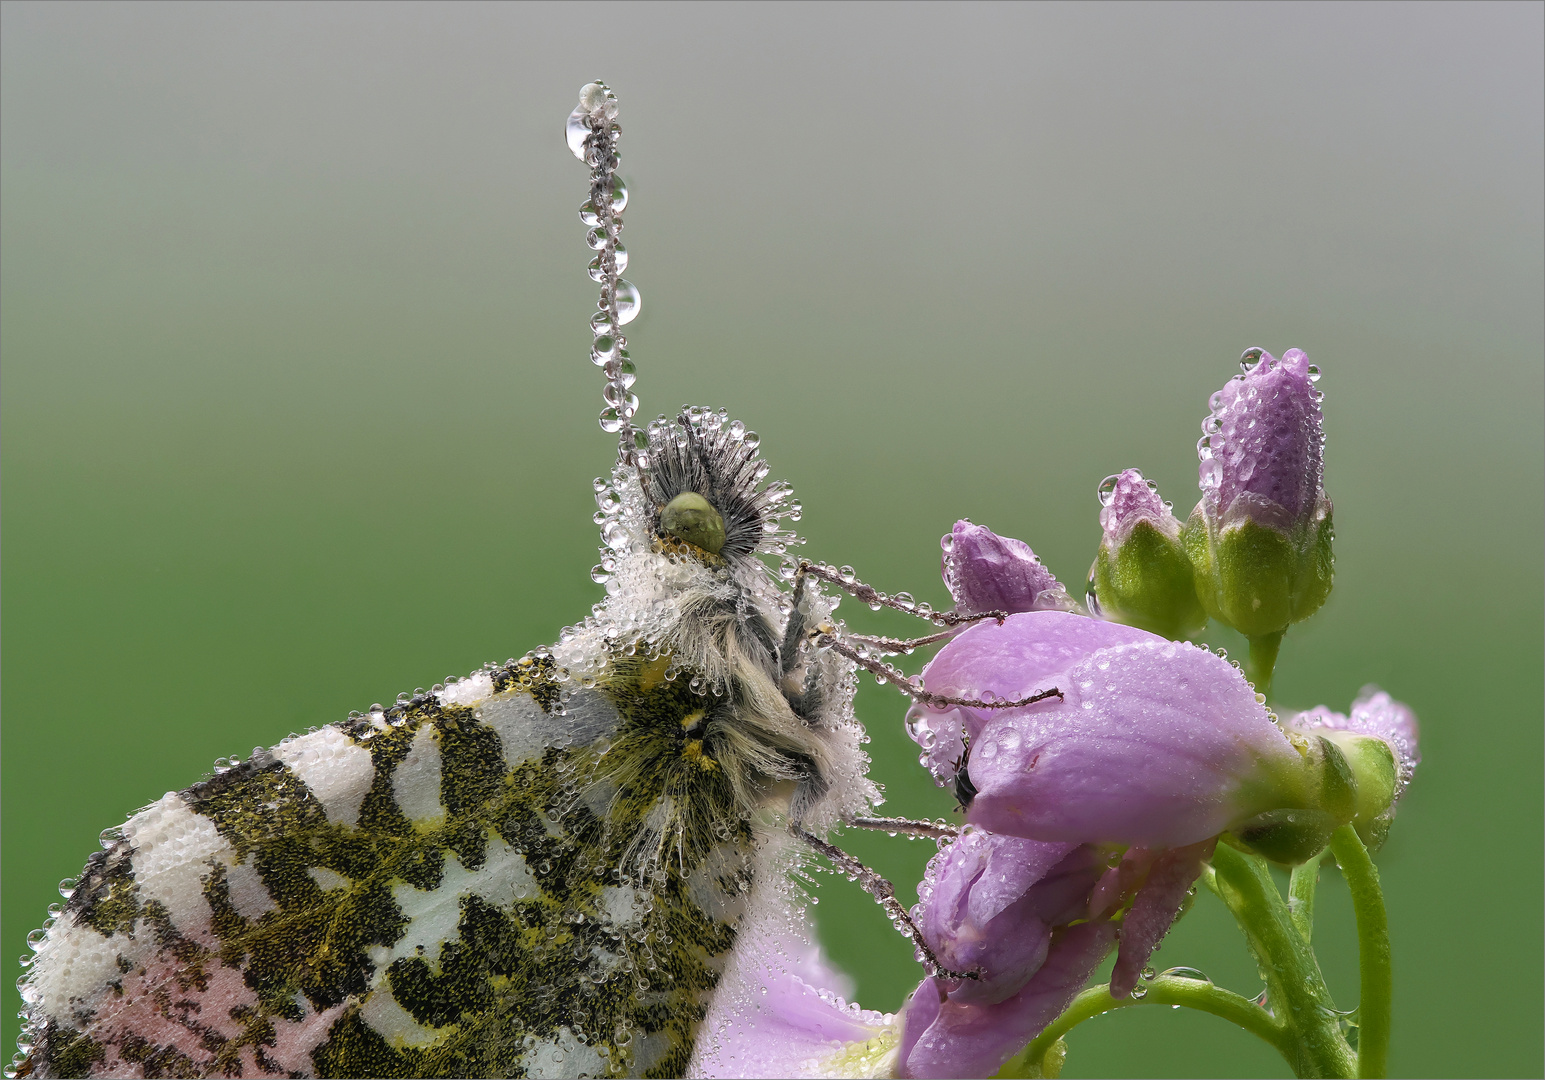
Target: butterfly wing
{"x": 450, "y": 887}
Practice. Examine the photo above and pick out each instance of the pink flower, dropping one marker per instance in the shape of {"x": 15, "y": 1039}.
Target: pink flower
{"x": 1154, "y": 742}
{"x": 1034, "y": 919}
{"x": 988, "y": 572}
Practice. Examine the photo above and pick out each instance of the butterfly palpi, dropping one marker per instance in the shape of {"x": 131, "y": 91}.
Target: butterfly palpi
{"x": 538, "y": 870}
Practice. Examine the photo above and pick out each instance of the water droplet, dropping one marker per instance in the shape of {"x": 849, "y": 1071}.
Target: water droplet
{"x": 1139, "y": 992}
{"x": 1107, "y": 489}
{"x": 601, "y": 323}
{"x": 622, "y": 260}
{"x": 596, "y": 239}
{"x": 619, "y": 194}
{"x": 624, "y": 373}
{"x": 751, "y": 441}
{"x": 1250, "y": 358}
{"x": 576, "y": 131}
{"x": 628, "y": 302}
{"x": 604, "y": 350}
{"x": 1185, "y": 973}
{"x": 593, "y": 95}
{"x": 1147, "y": 973}
{"x": 1314, "y": 372}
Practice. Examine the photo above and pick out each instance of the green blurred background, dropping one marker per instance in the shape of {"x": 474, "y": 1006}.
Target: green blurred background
{"x": 297, "y": 412}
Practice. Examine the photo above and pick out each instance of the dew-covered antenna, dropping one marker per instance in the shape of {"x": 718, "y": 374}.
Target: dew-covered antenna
{"x": 592, "y": 133}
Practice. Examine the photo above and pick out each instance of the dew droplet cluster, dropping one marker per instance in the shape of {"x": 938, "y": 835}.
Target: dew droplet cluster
{"x": 592, "y": 132}
{"x": 1263, "y": 439}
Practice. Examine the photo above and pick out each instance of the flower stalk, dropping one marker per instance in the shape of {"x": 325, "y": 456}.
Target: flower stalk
{"x": 1373, "y": 952}
{"x": 1041, "y": 1059}
{"x": 1262, "y": 662}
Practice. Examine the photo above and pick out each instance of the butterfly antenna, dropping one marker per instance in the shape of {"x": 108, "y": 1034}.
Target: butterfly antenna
{"x": 592, "y": 133}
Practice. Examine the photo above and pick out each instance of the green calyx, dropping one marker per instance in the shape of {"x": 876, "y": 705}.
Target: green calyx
{"x": 1321, "y": 797}
{"x": 1146, "y": 581}
{"x": 692, "y": 518}
{"x": 1258, "y": 578}
{"x": 1377, "y": 779}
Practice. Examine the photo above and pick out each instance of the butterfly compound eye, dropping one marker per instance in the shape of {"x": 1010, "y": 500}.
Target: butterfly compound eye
{"x": 692, "y": 518}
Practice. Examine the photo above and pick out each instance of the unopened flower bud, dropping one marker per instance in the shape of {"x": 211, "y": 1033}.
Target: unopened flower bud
{"x": 1379, "y": 742}
{"x": 1142, "y": 575}
{"x": 988, "y": 572}
{"x": 1260, "y": 539}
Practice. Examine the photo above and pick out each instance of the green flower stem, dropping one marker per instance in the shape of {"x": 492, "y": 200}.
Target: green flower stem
{"x": 1301, "y": 895}
{"x": 1165, "y": 990}
{"x": 1295, "y": 989}
{"x": 1373, "y": 951}
{"x": 1263, "y": 660}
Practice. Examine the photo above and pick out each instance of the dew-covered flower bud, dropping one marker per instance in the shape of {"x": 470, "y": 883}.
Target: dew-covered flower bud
{"x": 987, "y": 572}
{"x": 1033, "y": 920}
{"x": 1152, "y": 742}
{"x": 1142, "y": 575}
{"x": 1260, "y": 539}
{"x": 1379, "y": 742}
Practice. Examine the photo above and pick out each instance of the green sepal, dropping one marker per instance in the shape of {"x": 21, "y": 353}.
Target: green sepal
{"x": 1289, "y": 837}
{"x": 1329, "y": 795}
{"x": 1147, "y": 582}
{"x": 1258, "y": 578}
{"x": 1377, "y": 778}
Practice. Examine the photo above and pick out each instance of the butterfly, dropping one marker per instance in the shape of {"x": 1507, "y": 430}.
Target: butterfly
{"x": 541, "y": 869}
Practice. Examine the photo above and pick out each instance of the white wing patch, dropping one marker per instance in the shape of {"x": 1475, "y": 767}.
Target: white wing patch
{"x": 327, "y": 879}
{"x": 336, "y": 769}
{"x": 473, "y": 690}
{"x": 174, "y": 851}
{"x": 396, "y": 1025}
{"x": 73, "y": 964}
{"x": 563, "y": 1055}
{"x": 525, "y": 730}
{"x": 435, "y": 914}
{"x": 519, "y": 722}
{"x": 416, "y": 782}
{"x": 249, "y": 896}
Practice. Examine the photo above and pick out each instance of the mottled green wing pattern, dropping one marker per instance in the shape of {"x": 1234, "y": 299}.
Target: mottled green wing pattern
{"x": 494, "y": 880}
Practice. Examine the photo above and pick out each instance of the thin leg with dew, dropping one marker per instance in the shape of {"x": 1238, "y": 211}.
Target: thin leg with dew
{"x": 870, "y": 595}
{"x": 939, "y": 830}
{"x": 885, "y": 893}
{"x": 907, "y": 685}
{"x": 898, "y": 646}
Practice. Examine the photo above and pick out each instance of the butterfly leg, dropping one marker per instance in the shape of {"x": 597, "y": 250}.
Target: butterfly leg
{"x": 939, "y": 830}
{"x": 909, "y": 686}
{"x": 870, "y": 595}
{"x": 896, "y": 646}
{"x": 885, "y": 894}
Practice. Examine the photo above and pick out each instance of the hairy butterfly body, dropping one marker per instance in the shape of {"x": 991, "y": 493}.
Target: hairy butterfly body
{"x": 538, "y": 870}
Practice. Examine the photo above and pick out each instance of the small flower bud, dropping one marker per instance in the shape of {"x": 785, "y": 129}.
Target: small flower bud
{"x": 1260, "y": 539}
{"x": 1379, "y": 743}
{"x": 1142, "y": 576}
{"x": 988, "y": 572}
